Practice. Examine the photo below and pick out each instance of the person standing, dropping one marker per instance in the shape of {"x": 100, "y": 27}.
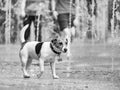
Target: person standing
{"x": 29, "y": 14}
{"x": 66, "y": 12}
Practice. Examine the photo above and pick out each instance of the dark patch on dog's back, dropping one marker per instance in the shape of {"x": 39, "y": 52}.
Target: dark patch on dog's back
{"x": 38, "y": 47}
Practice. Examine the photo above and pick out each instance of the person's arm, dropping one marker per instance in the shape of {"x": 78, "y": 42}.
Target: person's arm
{"x": 53, "y": 8}
{"x": 23, "y": 4}
{"x": 53, "y": 3}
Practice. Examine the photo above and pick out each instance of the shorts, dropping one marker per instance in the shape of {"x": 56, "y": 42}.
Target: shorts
{"x": 63, "y": 20}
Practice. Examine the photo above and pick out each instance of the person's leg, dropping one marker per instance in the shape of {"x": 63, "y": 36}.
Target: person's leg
{"x": 63, "y": 20}
{"x": 38, "y": 27}
{"x": 73, "y": 27}
{"x": 40, "y": 32}
{"x": 72, "y": 20}
{"x": 27, "y": 20}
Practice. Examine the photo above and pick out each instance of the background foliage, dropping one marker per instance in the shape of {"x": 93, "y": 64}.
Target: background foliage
{"x": 95, "y": 20}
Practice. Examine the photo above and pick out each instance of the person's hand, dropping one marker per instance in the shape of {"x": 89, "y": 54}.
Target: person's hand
{"x": 76, "y": 21}
{"x": 55, "y": 14}
{"x": 23, "y": 13}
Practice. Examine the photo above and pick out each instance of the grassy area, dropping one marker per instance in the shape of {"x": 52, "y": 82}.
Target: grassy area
{"x": 90, "y": 69}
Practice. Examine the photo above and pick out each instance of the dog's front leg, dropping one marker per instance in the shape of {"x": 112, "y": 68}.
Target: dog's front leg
{"x": 41, "y": 64}
{"x": 68, "y": 47}
{"x": 68, "y": 37}
{"x": 52, "y": 64}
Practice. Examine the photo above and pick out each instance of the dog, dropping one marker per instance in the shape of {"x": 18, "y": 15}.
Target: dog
{"x": 42, "y": 51}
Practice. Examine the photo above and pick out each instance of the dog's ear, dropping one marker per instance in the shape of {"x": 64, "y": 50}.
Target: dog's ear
{"x": 66, "y": 41}
{"x": 62, "y": 34}
{"x": 54, "y": 40}
{"x": 55, "y": 35}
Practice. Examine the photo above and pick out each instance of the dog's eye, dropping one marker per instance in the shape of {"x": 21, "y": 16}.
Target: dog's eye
{"x": 60, "y": 43}
{"x": 66, "y": 41}
{"x": 54, "y": 40}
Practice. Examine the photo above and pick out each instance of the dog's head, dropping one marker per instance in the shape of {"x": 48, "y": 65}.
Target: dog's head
{"x": 60, "y": 44}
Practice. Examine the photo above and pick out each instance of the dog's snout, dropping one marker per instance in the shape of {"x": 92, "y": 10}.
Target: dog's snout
{"x": 65, "y": 50}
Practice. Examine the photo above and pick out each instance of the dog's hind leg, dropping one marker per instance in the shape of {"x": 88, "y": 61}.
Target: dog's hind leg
{"x": 24, "y": 69}
{"x": 29, "y": 62}
{"x": 41, "y": 64}
{"x": 24, "y": 61}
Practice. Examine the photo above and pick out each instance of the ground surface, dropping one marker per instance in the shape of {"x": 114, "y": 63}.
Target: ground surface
{"x": 91, "y": 67}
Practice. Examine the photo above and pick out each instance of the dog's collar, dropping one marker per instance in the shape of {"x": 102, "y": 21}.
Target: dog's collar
{"x": 56, "y": 52}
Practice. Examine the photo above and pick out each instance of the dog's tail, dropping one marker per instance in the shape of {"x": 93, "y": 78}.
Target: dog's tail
{"x": 23, "y": 33}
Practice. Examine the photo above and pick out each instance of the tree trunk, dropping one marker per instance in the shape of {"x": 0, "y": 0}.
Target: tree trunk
{"x": 8, "y": 21}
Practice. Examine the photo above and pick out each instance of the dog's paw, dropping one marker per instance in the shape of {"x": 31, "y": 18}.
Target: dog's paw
{"x": 55, "y": 77}
{"x": 39, "y": 75}
{"x": 59, "y": 59}
{"x": 68, "y": 56}
{"x": 26, "y": 76}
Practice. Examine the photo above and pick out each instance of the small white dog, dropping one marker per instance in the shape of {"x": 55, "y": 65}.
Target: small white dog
{"x": 41, "y": 51}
